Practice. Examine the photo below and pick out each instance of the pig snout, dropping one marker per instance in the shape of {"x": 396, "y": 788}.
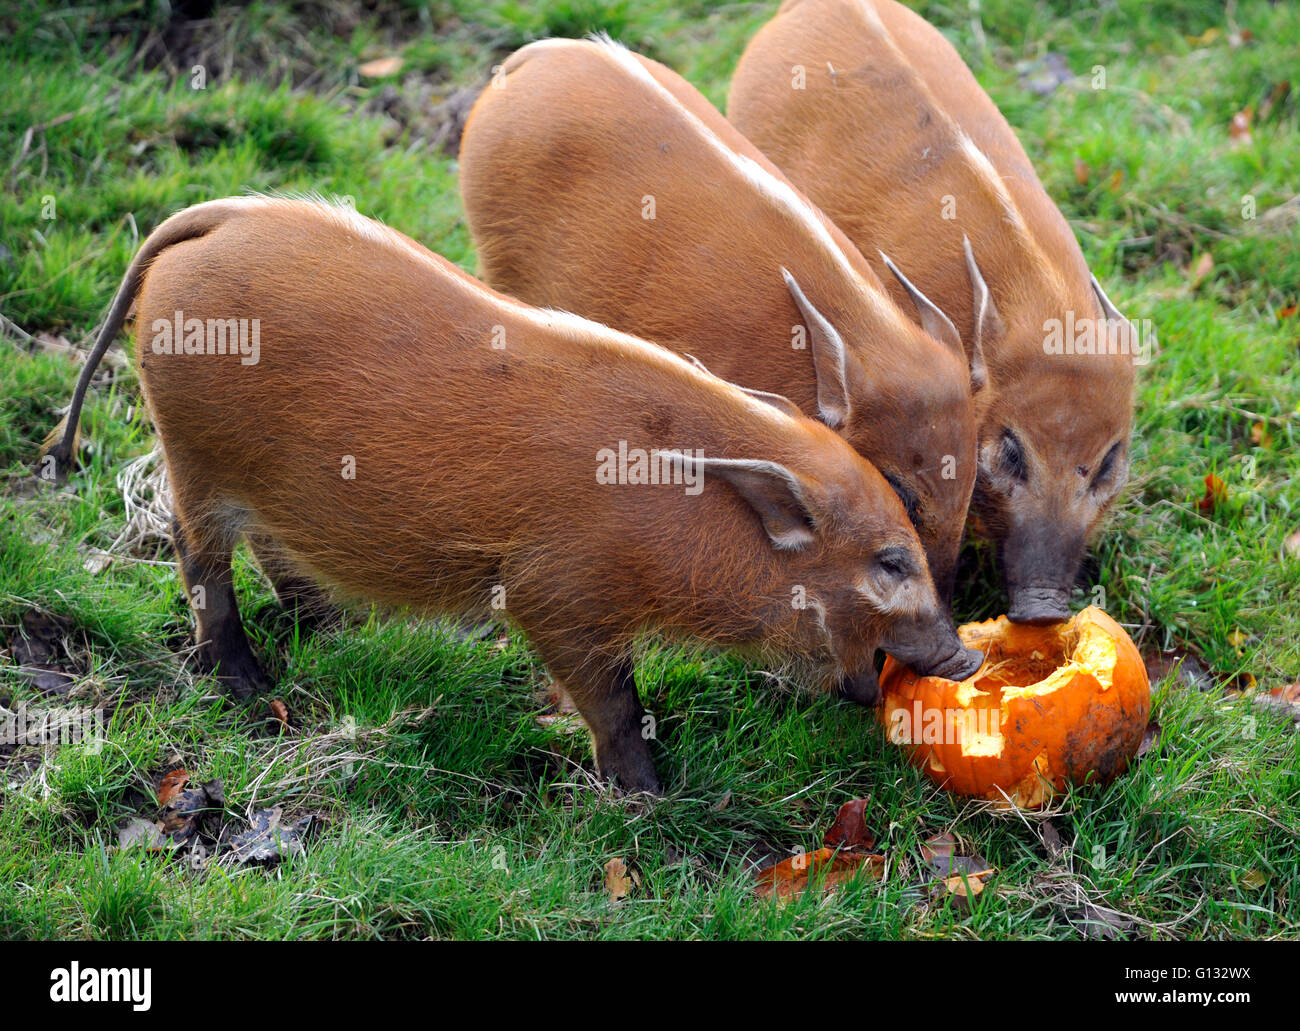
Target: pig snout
{"x": 1040, "y": 563}
{"x": 862, "y": 688}
{"x": 933, "y": 649}
{"x": 1039, "y": 606}
{"x": 957, "y": 665}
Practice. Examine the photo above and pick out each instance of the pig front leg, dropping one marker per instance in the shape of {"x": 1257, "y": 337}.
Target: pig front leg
{"x": 604, "y": 691}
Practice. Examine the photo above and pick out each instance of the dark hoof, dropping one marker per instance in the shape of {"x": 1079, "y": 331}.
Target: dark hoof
{"x": 241, "y": 675}
{"x": 635, "y": 776}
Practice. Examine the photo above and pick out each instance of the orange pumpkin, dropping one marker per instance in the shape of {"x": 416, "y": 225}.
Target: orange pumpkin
{"x": 1051, "y": 705}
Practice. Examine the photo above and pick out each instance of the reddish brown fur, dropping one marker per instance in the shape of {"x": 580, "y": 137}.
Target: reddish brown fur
{"x": 876, "y": 140}
{"x": 555, "y": 162}
{"x": 476, "y": 466}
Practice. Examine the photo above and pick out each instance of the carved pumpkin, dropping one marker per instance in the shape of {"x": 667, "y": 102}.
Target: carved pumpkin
{"x": 1051, "y": 705}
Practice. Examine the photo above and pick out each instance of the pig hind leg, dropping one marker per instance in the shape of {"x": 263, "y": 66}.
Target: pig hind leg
{"x": 309, "y": 603}
{"x": 204, "y": 547}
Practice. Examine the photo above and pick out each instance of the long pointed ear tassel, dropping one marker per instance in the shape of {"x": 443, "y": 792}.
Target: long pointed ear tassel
{"x": 829, "y": 360}
{"x": 933, "y": 320}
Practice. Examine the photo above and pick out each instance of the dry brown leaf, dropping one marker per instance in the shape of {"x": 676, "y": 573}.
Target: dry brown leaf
{"x": 1080, "y": 171}
{"x": 381, "y": 67}
{"x": 1203, "y": 267}
{"x": 1292, "y": 544}
{"x": 1216, "y": 493}
{"x": 169, "y": 787}
{"x": 1150, "y": 738}
{"x": 280, "y": 711}
{"x": 1239, "y": 128}
{"x": 618, "y": 880}
{"x": 849, "y": 829}
{"x": 141, "y": 833}
{"x": 968, "y": 885}
{"x": 1276, "y": 95}
{"x": 1052, "y": 840}
{"x": 792, "y": 877}
{"x": 1254, "y": 880}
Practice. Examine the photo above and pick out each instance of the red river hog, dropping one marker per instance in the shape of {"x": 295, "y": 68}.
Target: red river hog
{"x": 870, "y": 111}
{"x": 602, "y": 183}
{"x": 374, "y": 420}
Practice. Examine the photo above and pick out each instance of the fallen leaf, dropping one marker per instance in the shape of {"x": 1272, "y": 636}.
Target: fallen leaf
{"x": 940, "y": 854}
{"x": 141, "y": 833}
{"x": 559, "y": 712}
{"x": 39, "y": 650}
{"x": 1189, "y": 670}
{"x": 1103, "y": 924}
{"x": 1205, "y": 38}
{"x": 380, "y": 68}
{"x": 280, "y": 711}
{"x": 1259, "y": 435}
{"x": 1276, "y": 95}
{"x": 1237, "y": 639}
{"x": 722, "y": 803}
{"x": 268, "y": 839}
{"x": 171, "y": 784}
{"x": 1287, "y": 312}
{"x": 1292, "y": 544}
{"x": 1285, "y": 699}
{"x": 1116, "y": 177}
{"x": 96, "y": 561}
{"x": 1216, "y": 493}
{"x": 1254, "y": 880}
{"x": 1203, "y": 267}
{"x": 792, "y": 877}
{"x": 184, "y": 813}
{"x": 849, "y": 829}
{"x": 1150, "y": 738}
{"x": 618, "y": 880}
{"x": 938, "y": 846}
{"x": 1240, "y": 37}
{"x": 1051, "y": 839}
{"x": 967, "y": 885}
{"x": 1080, "y": 172}
{"x": 1239, "y": 128}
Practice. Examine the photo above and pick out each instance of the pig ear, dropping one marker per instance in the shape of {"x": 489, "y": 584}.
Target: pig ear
{"x": 933, "y": 321}
{"x": 829, "y": 360}
{"x": 777, "y": 401}
{"x": 1110, "y": 311}
{"x": 771, "y": 490}
{"x": 988, "y": 324}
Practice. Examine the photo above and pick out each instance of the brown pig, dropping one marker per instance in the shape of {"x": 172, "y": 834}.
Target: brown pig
{"x": 868, "y": 109}
{"x": 374, "y": 420}
{"x": 602, "y": 183}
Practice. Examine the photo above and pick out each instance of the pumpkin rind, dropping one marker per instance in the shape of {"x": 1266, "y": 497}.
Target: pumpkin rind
{"x": 1071, "y": 703}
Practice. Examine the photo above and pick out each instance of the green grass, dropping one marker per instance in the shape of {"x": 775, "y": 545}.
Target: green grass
{"x": 451, "y": 811}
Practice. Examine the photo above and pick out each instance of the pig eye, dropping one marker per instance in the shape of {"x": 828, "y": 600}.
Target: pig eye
{"x": 907, "y": 496}
{"x": 1011, "y": 457}
{"x": 1107, "y": 467}
{"x": 895, "y": 562}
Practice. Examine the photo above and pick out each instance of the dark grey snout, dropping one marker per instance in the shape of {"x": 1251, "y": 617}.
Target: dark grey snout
{"x": 932, "y": 648}
{"x": 958, "y": 666}
{"x": 1039, "y": 605}
{"x": 862, "y": 688}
